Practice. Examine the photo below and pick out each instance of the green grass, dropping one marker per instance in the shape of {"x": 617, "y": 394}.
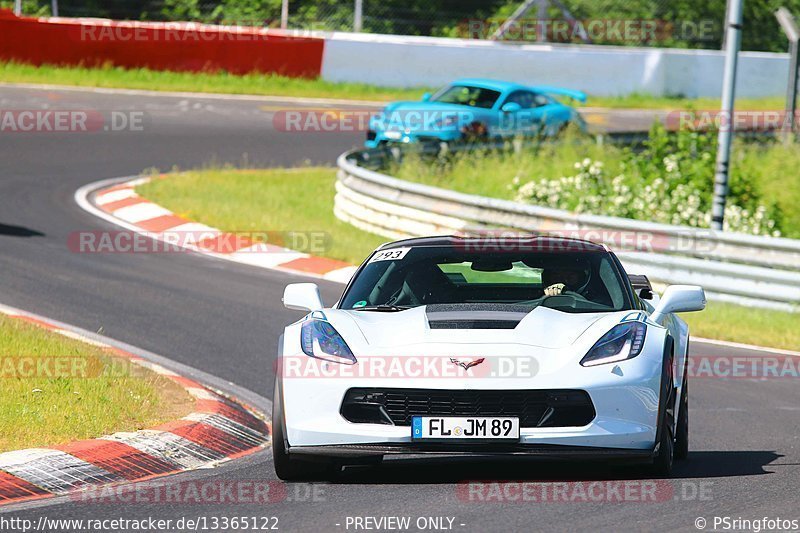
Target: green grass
{"x": 272, "y": 85}
{"x": 769, "y": 167}
{"x": 647, "y": 101}
{"x": 302, "y": 199}
{"x": 490, "y": 174}
{"x": 763, "y": 327}
{"x": 773, "y": 170}
{"x": 81, "y": 392}
{"x": 203, "y": 82}
{"x": 297, "y": 200}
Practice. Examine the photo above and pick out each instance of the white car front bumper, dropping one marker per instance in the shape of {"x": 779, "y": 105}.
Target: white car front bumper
{"x": 624, "y": 396}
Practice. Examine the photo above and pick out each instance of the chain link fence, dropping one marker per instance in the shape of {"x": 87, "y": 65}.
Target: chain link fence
{"x": 663, "y": 23}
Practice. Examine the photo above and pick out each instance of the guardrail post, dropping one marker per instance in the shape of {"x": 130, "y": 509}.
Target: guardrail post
{"x": 787, "y": 22}
{"x": 358, "y": 18}
{"x": 733, "y": 39}
{"x": 284, "y": 14}
{"x": 54, "y": 8}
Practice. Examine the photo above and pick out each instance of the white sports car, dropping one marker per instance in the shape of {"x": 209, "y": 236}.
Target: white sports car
{"x": 445, "y": 345}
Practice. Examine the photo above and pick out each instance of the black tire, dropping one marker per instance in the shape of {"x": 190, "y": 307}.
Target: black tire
{"x": 290, "y": 468}
{"x": 662, "y": 463}
{"x": 665, "y": 457}
{"x": 682, "y": 431}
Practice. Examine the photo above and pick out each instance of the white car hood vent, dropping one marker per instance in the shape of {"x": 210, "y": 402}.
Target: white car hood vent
{"x": 473, "y": 324}
{"x": 475, "y": 316}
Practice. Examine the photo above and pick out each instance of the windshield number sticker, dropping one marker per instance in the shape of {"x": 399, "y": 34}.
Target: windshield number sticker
{"x": 390, "y": 255}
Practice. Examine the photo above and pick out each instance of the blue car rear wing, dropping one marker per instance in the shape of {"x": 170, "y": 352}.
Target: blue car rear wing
{"x": 569, "y": 93}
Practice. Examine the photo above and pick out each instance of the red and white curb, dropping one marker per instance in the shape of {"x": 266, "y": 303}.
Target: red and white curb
{"x": 219, "y": 429}
{"x": 119, "y": 204}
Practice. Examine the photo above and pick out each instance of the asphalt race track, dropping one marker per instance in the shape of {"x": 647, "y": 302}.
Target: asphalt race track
{"x": 225, "y": 319}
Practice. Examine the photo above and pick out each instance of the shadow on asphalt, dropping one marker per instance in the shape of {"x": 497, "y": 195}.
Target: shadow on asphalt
{"x": 19, "y": 231}
{"x": 705, "y": 464}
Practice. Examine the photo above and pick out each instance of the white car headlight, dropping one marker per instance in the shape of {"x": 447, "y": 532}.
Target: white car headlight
{"x": 319, "y": 339}
{"x": 624, "y": 341}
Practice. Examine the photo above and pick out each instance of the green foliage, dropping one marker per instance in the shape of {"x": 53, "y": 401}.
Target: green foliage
{"x": 249, "y": 11}
{"x": 34, "y": 8}
{"x": 182, "y": 10}
{"x": 685, "y": 23}
{"x": 670, "y": 180}
{"x": 679, "y": 23}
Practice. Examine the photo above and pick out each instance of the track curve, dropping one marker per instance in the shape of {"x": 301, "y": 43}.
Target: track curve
{"x": 225, "y": 319}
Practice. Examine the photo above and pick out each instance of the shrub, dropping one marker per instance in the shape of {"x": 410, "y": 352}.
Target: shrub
{"x": 670, "y": 180}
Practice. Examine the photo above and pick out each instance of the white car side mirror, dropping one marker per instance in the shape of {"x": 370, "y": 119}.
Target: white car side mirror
{"x": 679, "y": 299}
{"x": 302, "y": 297}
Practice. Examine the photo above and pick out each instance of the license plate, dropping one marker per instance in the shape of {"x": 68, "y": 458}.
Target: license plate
{"x": 465, "y": 428}
{"x": 394, "y": 135}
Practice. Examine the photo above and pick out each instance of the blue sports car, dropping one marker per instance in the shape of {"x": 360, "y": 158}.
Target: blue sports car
{"x": 475, "y": 110}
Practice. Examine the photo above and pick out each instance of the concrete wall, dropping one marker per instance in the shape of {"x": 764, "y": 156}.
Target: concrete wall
{"x": 402, "y": 61}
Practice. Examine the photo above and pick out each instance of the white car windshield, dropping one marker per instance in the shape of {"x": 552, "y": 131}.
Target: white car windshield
{"x": 570, "y": 281}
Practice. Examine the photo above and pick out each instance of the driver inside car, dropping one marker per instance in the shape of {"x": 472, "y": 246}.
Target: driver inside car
{"x": 564, "y": 279}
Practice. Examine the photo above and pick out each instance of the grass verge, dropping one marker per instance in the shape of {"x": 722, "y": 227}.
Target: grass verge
{"x": 272, "y": 85}
{"x": 757, "y": 170}
{"x": 57, "y": 390}
{"x": 201, "y": 82}
{"x": 291, "y": 200}
{"x": 647, "y": 101}
{"x": 763, "y": 327}
{"x": 302, "y": 200}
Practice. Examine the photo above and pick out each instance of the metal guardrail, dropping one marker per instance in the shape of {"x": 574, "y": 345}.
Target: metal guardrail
{"x": 745, "y": 269}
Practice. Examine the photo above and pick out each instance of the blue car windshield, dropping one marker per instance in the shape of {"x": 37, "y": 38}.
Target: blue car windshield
{"x": 467, "y": 95}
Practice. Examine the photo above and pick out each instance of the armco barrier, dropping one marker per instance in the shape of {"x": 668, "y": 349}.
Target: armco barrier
{"x": 757, "y": 271}
{"x": 158, "y": 46}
